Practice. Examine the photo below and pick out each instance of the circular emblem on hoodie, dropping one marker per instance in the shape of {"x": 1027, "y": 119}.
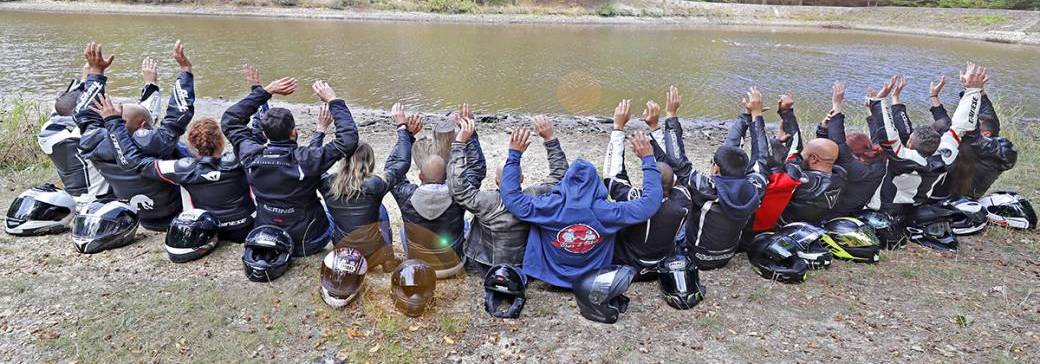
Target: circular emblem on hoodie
{"x": 577, "y": 238}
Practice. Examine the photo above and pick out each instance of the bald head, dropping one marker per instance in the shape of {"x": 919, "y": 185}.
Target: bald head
{"x": 136, "y": 117}
{"x": 433, "y": 170}
{"x": 667, "y": 177}
{"x": 820, "y": 154}
{"x": 498, "y": 173}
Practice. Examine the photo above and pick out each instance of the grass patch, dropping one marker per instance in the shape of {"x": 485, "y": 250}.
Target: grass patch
{"x": 985, "y": 20}
{"x": 20, "y": 122}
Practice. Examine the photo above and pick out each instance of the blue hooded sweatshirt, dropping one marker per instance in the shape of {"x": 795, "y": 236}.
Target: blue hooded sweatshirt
{"x": 573, "y": 226}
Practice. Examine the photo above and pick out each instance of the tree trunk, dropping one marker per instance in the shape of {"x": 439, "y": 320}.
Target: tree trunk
{"x": 440, "y": 144}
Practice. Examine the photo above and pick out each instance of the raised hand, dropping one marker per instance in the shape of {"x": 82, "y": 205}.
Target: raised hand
{"x": 324, "y": 118}
{"x": 897, "y": 89}
{"x": 974, "y": 76}
{"x": 96, "y": 59}
{"x": 252, "y": 75}
{"x": 936, "y": 87}
{"x": 324, "y": 91}
{"x": 622, "y": 113}
{"x": 282, "y": 86}
{"x": 786, "y": 102}
{"x": 674, "y": 100}
{"x": 178, "y": 55}
{"x": 887, "y": 88}
{"x": 463, "y": 112}
{"x": 651, "y": 114}
{"x": 149, "y": 72}
{"x": 415, "y": 124}
{"x": 106, "y": 108}
{"x": 837, "y": 98}
{"x": 641, "y": 145}
{"x": 466, "y": 129}
{"x": 84, "y": 72}
{"x": 520, "y": 140}
{"x": 754, "y": 102}
{"x": 543, "y": 127}
{"x": 871, "y": 94}
{"x": 397, "y": 111}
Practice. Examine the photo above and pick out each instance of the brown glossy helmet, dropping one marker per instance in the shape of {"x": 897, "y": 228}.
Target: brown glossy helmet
{"x": 342, "y": 276}
{"x": 412, "y": 286}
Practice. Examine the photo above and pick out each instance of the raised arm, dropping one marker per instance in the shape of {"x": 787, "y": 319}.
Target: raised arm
{"x": 151, "y": 98}
{"x": 465, "y": 193}
{"x": 790, "y": 132}
{"x": 179, "y": 112}
{"x": 618, "y": 184}
{"x": 521, "y": 205}
{"x": 346, "y": 140}
{"x": 252, "y": 76}
{"x": 553, "y": 150}
{"x": 901, "y": 119}
{"x": 644, "y": 207}
{"x": 400, "y": 158}
{"x": 129, "y": 156}
{"x": 761, "y": 153}
{"x": 941, "y": 119}
{"x": 235, "y": 119}
{"x": 94, "y": 87}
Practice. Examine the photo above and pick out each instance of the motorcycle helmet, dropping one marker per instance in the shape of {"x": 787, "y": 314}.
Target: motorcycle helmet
{"x": 851, "y": 239}
{"x": 103, "y": 226}
{"x": 600, "y": 293}
{"x": 886, "y": 229}
{"x": 680, "y": 282}
{"x": 808, "y": 240}
{"x": 929, "y": 226}
{"x": 342, "y": 276}
{"x": 411, "y": 287}
{"x": 1009, "y": 209}
{"x": 776, "y": 258}
{"x": 970, "y": 217}
{"x": 41, "y": 210}
{"x": 192, "y": 235}
{"x": 504, "y": 287}
{"x": 267, "y": 253}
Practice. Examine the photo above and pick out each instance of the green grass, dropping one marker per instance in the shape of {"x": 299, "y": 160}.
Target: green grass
{"x": 20, "y": 122}
{"x": 985, "y": 20}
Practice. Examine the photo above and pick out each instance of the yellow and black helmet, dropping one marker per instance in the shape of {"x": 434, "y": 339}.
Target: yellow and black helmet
{"x": 850, "y": 239}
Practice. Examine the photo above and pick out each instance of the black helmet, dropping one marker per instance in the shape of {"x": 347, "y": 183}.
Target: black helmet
{"x": 930, "y": 226}
{"x": 192, "y": 235}
{"x": 886, "y": 229}
{"x": 970, "y": 217}
{"x": 267, "y": 254}
{"x": 808, "y": 240}
{"x": 342, "y": 276}
{"x": 504, "y": 287}
{"x": 601, "y": 292}
{"x": 776, "y": 258}
{"x": 103, "y": 226}
{"x": 41, "y": 210}
{"x": 679, "y": 281}
{"x": 851, "y": 239}
{"x": 1009, "y": 209}
{"x": 411, "y": 287}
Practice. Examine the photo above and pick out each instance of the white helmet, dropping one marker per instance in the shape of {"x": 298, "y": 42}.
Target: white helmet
{"x": 41, "y": 210}
{"x": 1009, "y": 209}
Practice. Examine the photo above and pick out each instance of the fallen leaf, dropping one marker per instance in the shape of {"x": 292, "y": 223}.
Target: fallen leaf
{"x": 374, "y": 349}
{"x": 449, "y": 341}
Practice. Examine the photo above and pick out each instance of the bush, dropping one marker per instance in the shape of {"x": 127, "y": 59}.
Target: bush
{"x": 608, "y": 9}
{"x": 451, "y": 6}
{"x": 20, "y": 122}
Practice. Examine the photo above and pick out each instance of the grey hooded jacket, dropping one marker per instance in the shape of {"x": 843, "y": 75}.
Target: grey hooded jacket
{"x": 496, "y": 236}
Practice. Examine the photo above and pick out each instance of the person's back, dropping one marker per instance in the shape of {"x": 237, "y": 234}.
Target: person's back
{"x": 574, "y": 226}
{"x": 496, "y": 236}
{"x": 59, "y": 139}
{"x": 644, "y": 245}
{"x": 284, "y": 176}
{"x": 723, "y": 201}
{"x": 354, "y": 195}
{"x": 988, "y": 154}
{"x": 434, "y": 223}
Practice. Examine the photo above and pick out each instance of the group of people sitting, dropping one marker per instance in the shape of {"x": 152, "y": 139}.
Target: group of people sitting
{"x": 793, "y": 204}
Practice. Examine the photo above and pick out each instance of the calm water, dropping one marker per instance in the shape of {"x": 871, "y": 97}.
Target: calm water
{"x": 524, "y": 68}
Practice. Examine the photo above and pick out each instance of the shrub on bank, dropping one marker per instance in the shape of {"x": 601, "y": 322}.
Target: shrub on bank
{"x": 20, "y": 122}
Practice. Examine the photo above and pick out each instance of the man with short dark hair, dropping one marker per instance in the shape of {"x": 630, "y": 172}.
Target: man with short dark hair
{"x": 284, "y": 176}
{"x": 644, "y": 245}
{"x": 724, "y": 200}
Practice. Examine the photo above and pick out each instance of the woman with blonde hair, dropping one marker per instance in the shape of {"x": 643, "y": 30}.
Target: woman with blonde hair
{"x": 354, "y": 194}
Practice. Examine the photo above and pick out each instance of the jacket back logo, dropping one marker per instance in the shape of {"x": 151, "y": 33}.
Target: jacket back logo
{"x": 577, "y": 238}
{"x": 142, "y": 202}
{"x": 212, "y": 176}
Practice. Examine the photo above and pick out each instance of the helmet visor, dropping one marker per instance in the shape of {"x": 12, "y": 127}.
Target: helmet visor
{"x": 1028, "y": 212}
{"x": 28, "y": 208}
{"x": 779, "y": 249}
{"x": 681, "y": 282}
{"x": 938, "y": 229}
{"x": 89, "y": 226}
{"x": 181, "y": 235}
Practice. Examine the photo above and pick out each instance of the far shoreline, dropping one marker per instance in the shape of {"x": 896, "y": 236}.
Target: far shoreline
{"x": 1021, "y": 28}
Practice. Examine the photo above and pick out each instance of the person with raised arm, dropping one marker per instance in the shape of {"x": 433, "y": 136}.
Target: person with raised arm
{"x": 354, "y": 194}
{"x": 643, "y": 246}
{"x": 283, "y": 175}
{"x": 725, "y": 198}
{"x": 157, "y": 202}
{"x": 813, "y": 165}
{"x": 862, "y": 161}
{"x": 574, "y": 226}
{"x": 496, "y": 237}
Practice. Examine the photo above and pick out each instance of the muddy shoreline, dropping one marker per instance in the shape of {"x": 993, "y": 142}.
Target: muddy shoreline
{"x": 1002, "y": 26}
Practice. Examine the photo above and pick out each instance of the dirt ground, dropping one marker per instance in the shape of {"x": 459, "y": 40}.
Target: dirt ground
{"x": 981, "y": 304}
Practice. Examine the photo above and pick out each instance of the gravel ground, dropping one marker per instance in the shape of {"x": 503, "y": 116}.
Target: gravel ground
{"x": 981, "y": 304}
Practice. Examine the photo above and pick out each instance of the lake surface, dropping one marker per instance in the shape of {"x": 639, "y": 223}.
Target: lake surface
{"x": 509, "y": 68}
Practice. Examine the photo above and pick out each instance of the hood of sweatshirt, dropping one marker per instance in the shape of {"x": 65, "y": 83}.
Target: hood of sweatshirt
{"x": 738, "y": 198}
{"x": 431, "y": 200}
